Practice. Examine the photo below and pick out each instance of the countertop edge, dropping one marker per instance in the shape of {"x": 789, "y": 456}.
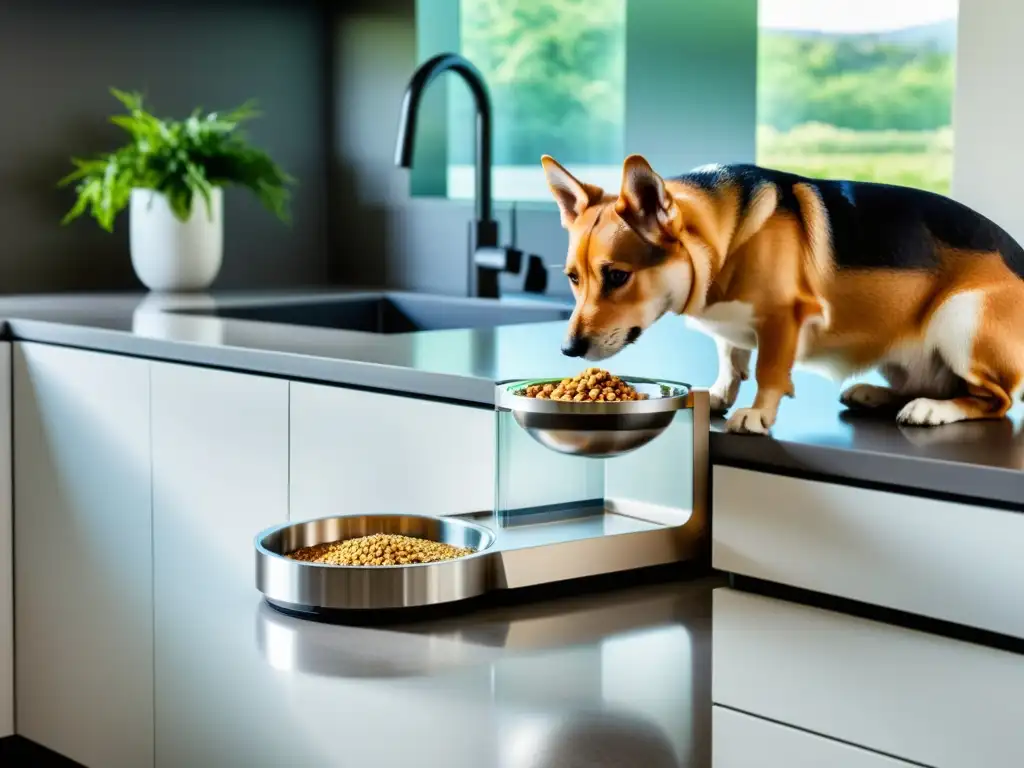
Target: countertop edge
{"x": 470, "y": 392}
{"x": 943, "y": 480}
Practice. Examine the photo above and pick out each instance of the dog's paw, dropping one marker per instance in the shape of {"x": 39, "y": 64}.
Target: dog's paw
{"x": 924, "y": 412}
{"x": 750, "y": 421}
{"x": 720, "y": 401}
{"x": 868, "y": 397}
{"x": 722, "y": 394}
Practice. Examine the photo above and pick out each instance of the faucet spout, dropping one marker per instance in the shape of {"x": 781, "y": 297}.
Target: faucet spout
{"x": 418, "y": 83}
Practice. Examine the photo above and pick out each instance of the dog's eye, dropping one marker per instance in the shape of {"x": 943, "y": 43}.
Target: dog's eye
{"x": 616, "y": 278}
{"x": 573, "y": 278}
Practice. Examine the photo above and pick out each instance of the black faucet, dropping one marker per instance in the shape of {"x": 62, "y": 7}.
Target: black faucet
{"x": 488, "y": 257}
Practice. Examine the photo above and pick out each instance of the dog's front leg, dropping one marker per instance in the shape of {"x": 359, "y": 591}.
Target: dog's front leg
{"x": 777, "y": 337}
{"x": 733, "y": 368}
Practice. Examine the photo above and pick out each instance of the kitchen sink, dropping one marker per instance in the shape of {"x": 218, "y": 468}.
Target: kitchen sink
{"x": 390, "y": 313}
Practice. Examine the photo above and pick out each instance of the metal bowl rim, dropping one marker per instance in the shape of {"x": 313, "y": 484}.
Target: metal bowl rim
{"x": 487, "y": 535}
{"x": 508, "y": 400}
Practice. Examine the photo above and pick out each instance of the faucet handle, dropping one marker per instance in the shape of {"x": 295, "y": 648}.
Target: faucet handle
{"x": 536, "y": 275}
{"x": 499, "y": 258}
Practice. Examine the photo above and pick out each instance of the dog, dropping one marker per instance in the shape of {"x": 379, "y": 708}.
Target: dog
{"x": 838, "y": 276}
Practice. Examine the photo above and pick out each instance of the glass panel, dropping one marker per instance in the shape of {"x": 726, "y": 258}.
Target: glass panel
{"x": 660, "y": 474}
{"x": 557, "y": 73}
{"x": 542, "y": 496}
{"x": 532, "y": 479}
{"x": 860, "y": 91}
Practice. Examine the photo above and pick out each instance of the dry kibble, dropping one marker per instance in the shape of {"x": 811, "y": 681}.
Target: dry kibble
{"x": 380, "y": 549}
{"x": 593, "y": 385}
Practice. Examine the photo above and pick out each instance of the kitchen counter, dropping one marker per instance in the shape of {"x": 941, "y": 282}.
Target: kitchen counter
{"x": 621, "y": 677}
{"x": 815, "y": 436}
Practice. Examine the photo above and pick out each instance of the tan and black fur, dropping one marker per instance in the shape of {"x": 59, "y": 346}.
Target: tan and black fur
{"x": 841, "y": 276}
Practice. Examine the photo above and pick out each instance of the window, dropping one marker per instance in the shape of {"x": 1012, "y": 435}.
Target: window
{"x": 556, "y": 71}
{"x": 589, "y": 82}
{"x": 858, "y": 90}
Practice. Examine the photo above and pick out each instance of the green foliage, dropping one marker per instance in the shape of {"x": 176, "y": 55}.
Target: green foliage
{"x": 181, "y": 159}
{"x": 852, "y": 83}
{"x": 856, "y": 107}
{"x": 921, "y": 159}
{"x": 557, "y": 75}
{"x": 863, "y": 107}
{"x": 818, "y": 138}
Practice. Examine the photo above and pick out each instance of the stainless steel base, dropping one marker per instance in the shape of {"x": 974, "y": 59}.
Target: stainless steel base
{"x": 512, "y": 552}
{"x": 617, "y": 537}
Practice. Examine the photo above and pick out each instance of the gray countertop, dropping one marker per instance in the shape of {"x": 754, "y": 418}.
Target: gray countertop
{"x": 612, "y": 679}
{"x": 814, "y": 436}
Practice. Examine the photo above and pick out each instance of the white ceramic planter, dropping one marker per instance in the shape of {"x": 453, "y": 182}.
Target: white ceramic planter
{"x": 173, "y": 255}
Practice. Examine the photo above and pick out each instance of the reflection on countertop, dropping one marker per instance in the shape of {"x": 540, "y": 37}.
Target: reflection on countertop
{"x": 639, "y": 677}
{"x": 614, "y": 678}
{"x": 814, "y": 434}
{"x": 463, "y": 639}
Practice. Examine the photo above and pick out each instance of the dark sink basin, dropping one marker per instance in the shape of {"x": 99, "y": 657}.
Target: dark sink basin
{"x": 391, "y": 313}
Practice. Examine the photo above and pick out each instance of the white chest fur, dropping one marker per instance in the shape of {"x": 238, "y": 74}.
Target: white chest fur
{"x": 732, "y": 321}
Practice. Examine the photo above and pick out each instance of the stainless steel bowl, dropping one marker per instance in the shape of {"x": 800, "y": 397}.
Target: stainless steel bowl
{"x": 597, "y": 430}
{"x": 314, "y": 588}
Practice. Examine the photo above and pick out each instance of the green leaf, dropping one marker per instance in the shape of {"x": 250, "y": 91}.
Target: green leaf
{"x": 77, "y": 210}
{"x": 84, "y": 168}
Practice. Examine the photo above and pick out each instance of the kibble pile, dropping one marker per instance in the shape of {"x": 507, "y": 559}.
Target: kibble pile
{"x": 593, "y": 385}
{"x": 380, "y": 549}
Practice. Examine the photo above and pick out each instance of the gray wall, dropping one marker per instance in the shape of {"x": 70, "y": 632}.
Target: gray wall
{"x": 988, "y": 118}
{"x": 57, "y": 60}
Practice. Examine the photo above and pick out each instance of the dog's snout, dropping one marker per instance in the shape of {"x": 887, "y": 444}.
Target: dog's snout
{"x": 575, "y": 346}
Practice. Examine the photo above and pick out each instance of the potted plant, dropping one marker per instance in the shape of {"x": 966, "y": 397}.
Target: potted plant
{"x": 172, "y": 174}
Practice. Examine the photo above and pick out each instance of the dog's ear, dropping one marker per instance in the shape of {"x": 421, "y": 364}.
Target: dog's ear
{"x": 571, "y": 194}
{"x": 645, "y": 204}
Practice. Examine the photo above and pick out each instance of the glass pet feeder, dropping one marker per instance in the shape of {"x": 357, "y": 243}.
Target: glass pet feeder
{"x": 581, "y": 490}
{"x": 584, "y": 489}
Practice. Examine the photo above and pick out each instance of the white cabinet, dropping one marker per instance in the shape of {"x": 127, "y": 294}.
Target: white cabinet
{"x": 742, "y": 741}
{"x": 6, "y": 551}
{"x": 920, "y": 697}
{"x": 914, "y": 554}
{"x": 83, "y": 554}
{"x": 220, "y": 458}
{"x": 354, "y": 451}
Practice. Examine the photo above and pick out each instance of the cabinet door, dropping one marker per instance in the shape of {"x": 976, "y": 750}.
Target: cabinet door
{"x": 6, "y": 551}
{"x": 923, "y": 698}
{"x": 740, "y": 741}
{"x": 363, "y": 452}
{"x": 220, "y": 458}
{"x": 83, "y": 554}
{"x": 942, "y": 559}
